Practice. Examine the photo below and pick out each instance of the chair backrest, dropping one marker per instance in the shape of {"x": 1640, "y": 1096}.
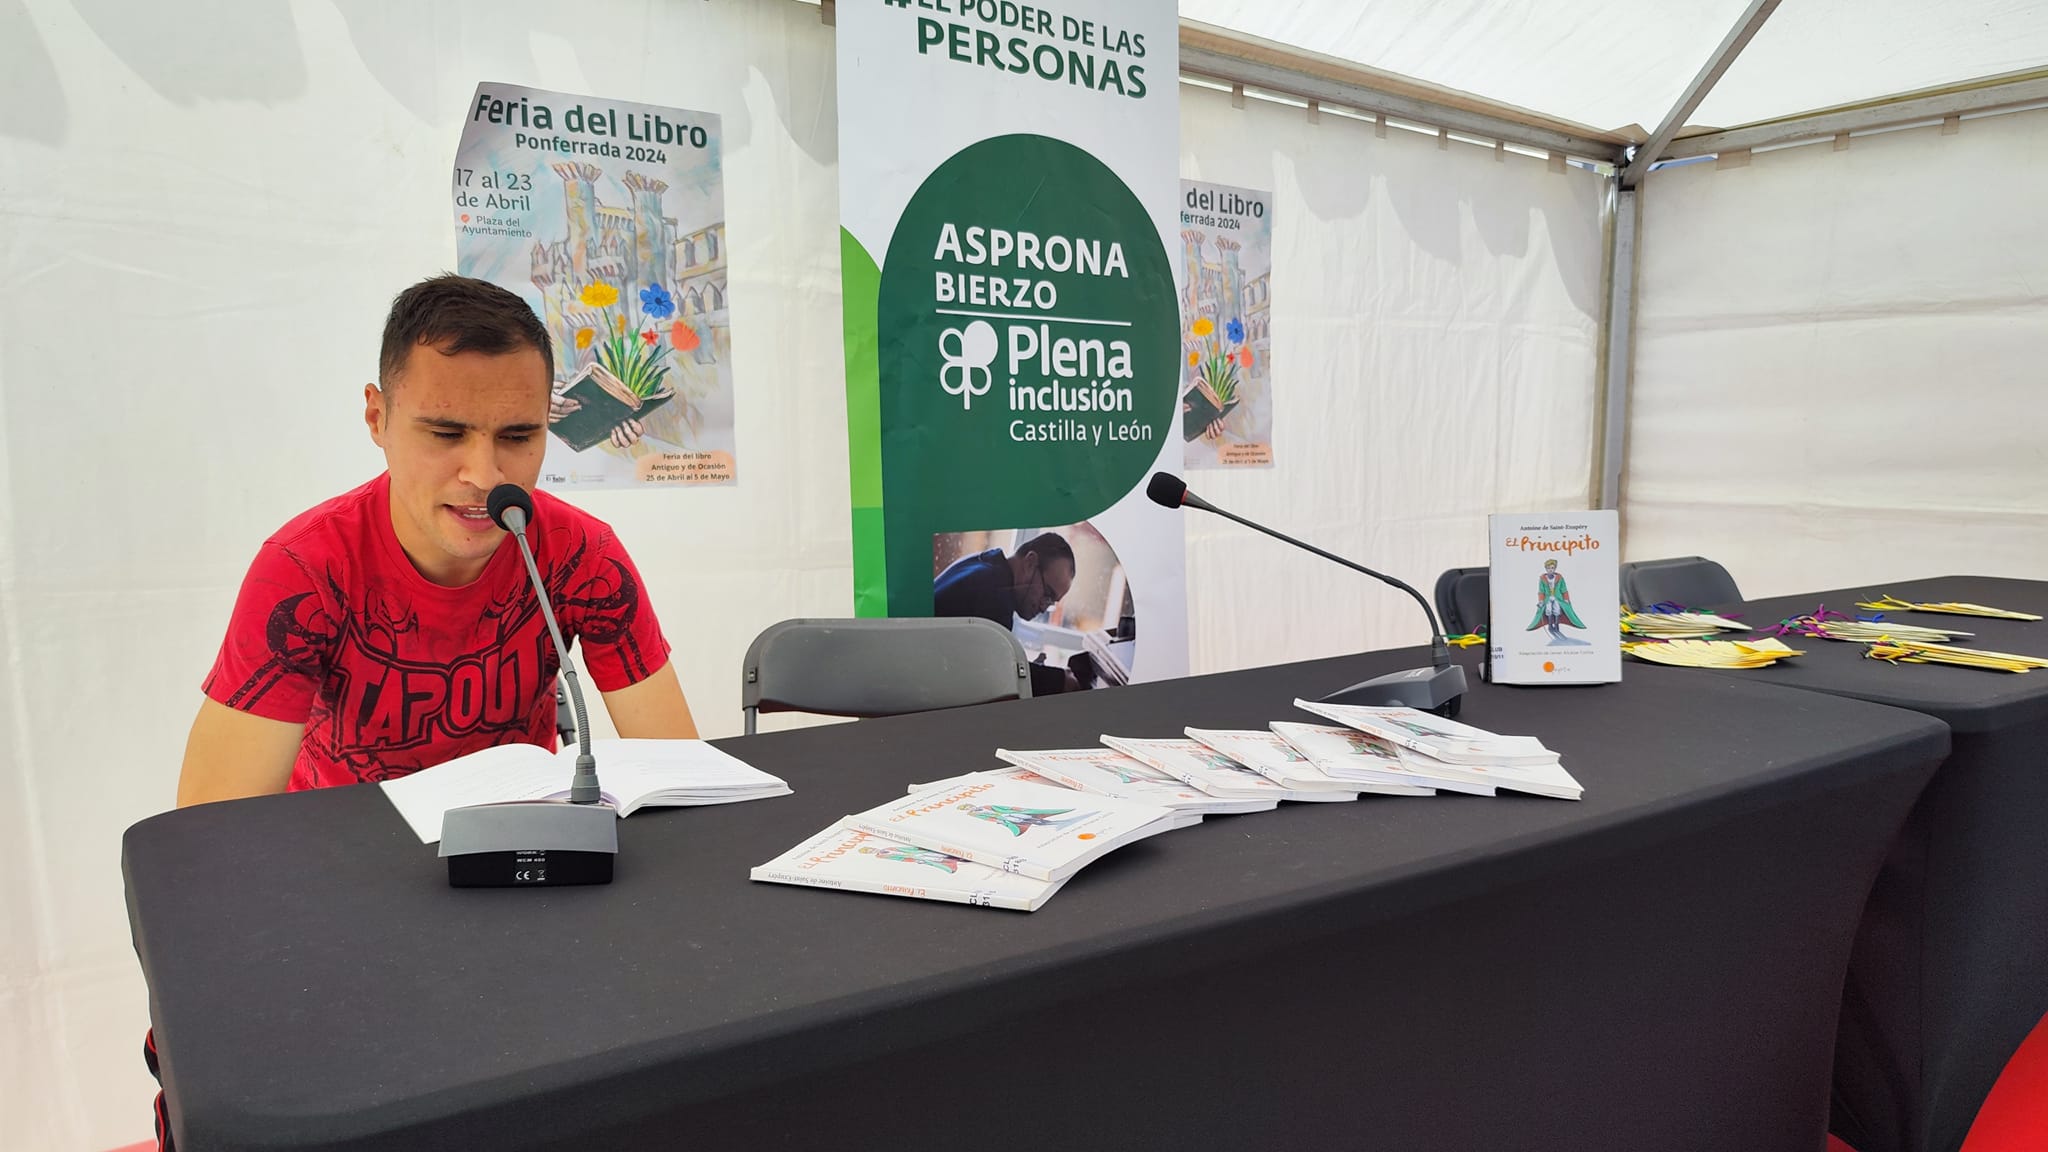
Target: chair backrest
{"x": 1692, "y": 581}
{"x": 881, "y": 667}
{"x": 1462, "y": 600}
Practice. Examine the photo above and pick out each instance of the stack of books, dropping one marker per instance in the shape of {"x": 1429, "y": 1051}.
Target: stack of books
{"x": 1010, "y": 837}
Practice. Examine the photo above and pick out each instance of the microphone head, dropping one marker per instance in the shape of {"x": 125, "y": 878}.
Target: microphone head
{"x": 508, "y": 497}
{"x": 1167, "y": 489}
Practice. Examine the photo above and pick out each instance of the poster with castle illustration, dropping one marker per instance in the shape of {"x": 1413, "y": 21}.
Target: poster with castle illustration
{"x": 609, "y": 219}
{"x": 1226, "y": 335}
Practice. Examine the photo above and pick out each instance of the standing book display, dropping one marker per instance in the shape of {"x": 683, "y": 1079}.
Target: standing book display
{"x": 1555, "y": 587}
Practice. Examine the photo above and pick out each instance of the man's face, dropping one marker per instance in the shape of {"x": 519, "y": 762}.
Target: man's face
{"x": 453, "y": 428}
{"x": 1044, "y": 585}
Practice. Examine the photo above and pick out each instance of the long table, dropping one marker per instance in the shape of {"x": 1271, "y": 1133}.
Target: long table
{"x": 1950, "y": 970}
{"x": 1655, "y": 966}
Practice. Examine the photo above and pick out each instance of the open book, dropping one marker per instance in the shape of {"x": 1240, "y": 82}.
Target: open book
{"x": 857, "y": 861}
{"x": 603, "y": 401}
{"x": 633, "y": 774}
{"x": 1030, "y": 829}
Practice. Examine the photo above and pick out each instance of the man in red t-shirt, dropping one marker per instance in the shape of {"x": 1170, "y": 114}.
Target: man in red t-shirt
{"x": 393, "y": 627}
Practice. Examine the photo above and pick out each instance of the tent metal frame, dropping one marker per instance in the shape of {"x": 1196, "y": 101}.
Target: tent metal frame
{"x": 1731, "y": 46}
{"x": 1238, "y": 60}
{"x": 1989, "y": 94}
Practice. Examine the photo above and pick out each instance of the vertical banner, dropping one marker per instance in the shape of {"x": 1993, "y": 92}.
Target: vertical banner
{"x": 609, "y": 219}
{"x": 1226, "y": 293}
{"x": 1010, "y": 230}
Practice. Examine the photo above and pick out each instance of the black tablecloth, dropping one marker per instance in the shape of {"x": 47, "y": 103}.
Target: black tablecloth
{"x": 1950, "y": 970}
{"x": 1656, "y": 966}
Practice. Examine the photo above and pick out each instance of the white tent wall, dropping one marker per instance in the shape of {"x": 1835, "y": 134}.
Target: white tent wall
{"x": 204, "y": 213}
{"x": 1434, "y": 346}
{"x": 1838, "y": 360}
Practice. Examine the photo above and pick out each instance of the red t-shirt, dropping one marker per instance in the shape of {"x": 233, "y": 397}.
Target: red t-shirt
{"x": 391, "y": 673}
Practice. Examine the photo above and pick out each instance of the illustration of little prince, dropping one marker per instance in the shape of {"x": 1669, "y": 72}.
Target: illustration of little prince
{"x": 1554, "y": 606}
{"x": 906, "y": 854}
{"x": 1017, "y": 820}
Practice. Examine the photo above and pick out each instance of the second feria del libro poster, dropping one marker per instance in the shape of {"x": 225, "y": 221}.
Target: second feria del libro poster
{"x": 608, "y": 218}
{"x": 1010, "y": 234}
{"x": 1226, "y": 296}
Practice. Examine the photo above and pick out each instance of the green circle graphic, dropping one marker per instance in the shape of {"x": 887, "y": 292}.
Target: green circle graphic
{"x": 1021, "y": 259}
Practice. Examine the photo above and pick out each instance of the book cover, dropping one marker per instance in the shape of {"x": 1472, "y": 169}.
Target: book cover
{"x": 1007, "y": 772}
{"x": 1045, "y": 833}
{"x": 1433, "y": 735}
{"x": 1554, "y": 584}
{"x": 1275, "y": 759}
{"x": 1454, "y": 751}
{"x": 1351, "y": 755}
{"x": 1199, "y": 410}
{"x": 603, "y": 401}
{"x": 1196, "y": 764}
{"x": 1110, "y": 773}
{"x": 857, "y": 861}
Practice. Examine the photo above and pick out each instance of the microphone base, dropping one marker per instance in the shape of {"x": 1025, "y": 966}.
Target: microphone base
{"x": 1437, "y": 690}
{"x": 517, "y": 869}
{"x": 529, "y": 844}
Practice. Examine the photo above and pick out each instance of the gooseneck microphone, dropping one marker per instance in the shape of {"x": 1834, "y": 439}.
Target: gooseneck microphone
{"x": 1433, "y": 689}
{"x": 512, "y": 509}
{"x": 527, "y": 843}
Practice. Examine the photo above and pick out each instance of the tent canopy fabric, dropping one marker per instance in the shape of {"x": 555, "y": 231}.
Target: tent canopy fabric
{"x": 1620, "y": 64}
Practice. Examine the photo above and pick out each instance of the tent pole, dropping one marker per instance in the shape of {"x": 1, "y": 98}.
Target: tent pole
{"x": 1617, "y": 346}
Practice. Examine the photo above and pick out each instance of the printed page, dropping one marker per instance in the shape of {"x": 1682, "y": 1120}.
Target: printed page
{"x": 506, "y": 772}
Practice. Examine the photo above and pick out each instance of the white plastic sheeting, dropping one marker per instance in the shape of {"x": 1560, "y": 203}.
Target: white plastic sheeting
{"x": 204, "y": 213}
{"x": 1434, "y": 342}
{"x": 1609, "y": 64}
{"x": 1839, "y": 361}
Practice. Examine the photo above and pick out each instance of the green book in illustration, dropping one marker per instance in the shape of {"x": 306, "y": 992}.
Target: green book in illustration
{"x": 603, "y": 402}
{"x": 1201, "y": 412}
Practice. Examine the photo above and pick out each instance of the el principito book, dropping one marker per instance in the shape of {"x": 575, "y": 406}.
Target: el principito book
{"x": 852, "y": 860}
{"x": 1030, "y": 829}
{"x": 1555, "y": 589}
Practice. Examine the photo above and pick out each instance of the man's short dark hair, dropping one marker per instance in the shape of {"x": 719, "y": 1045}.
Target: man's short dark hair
{"x": 455, "y": 314}
{"x": 1048, "y": 547}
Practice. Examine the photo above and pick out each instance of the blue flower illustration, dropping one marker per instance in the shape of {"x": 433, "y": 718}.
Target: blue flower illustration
{"x": 656, "y": 302}
{"x": 1234, "y": 330}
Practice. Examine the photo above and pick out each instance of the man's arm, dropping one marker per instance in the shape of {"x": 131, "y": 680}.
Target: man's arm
{"x": 652, "y": 709}
{"x": 231, "y": 754}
